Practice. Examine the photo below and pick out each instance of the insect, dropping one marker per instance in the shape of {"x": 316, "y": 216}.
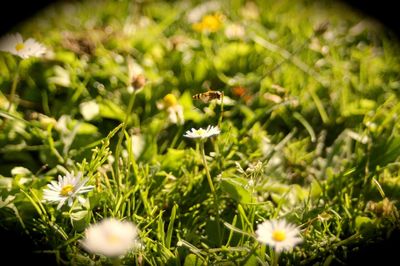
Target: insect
{"x": 208, "y": 96}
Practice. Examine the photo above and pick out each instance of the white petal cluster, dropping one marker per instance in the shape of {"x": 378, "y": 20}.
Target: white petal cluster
{"x": 111, "y": 238}
{"x": 66, "y": 189}
{"x": 14, "y": 44}
{"x": 202, "y": 133}
{"x": 278, "y": 234}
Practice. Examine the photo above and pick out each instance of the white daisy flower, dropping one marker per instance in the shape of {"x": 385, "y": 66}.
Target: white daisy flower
{"x": 202, "y": 133}
{"x": 173, "y": 108}
{"x": 278, "y": 234}
{"x": 14, "y": 44}
{"x": 66, "y": 189}
{"x": 111, "y": 238}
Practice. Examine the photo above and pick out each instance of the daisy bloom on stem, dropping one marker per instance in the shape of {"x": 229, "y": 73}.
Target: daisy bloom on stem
{"x": 174, "y": 109}
{"x": 278, "y": 234}
{"x": 110, "y": 237}
{"x": 14, "y": 44}
{"x": 66, "y": 189}
{"x": 202, "y": 133}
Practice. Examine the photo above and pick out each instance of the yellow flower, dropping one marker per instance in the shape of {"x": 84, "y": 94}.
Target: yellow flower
{"x": 209, "y": 23}
{"x": 170, "y": 100}
{"x": 173, "y": 108}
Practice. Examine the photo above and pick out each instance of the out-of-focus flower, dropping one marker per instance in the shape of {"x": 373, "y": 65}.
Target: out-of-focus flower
{"x": 199, "y": 11}
{"x": 202, "y": 133}
{"x": 44, "y": 120}
{"x": 61, "y": 77}
{"x": 174, "y": 109}
{"x": 272, "y": 97}
{"x": 89, "y": 110}
{"x": 228, "y": 101}
{"x": 234, "y": 31}
{"x": 138, "y": 144}
{"x": 63, "y": 124}
{"x": 136, "y": 76}
{"x": 239, "y": 91}
{"x": 182, "y": 43}
{"x": 255, "y": 167}
{"x": 278, "y": 234}
{"x": 250, "y": 11}
{"x": 14, "y": 44}
{"x": 66, "y": 189}
{"x": 209, "y": 23}
{"x": 111, "y": 238}
{"x": 383, "y": 208}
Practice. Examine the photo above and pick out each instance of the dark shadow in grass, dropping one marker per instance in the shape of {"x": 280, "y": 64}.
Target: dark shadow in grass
{"x": 18, "y": 249}
{"x": 382, "y": 252}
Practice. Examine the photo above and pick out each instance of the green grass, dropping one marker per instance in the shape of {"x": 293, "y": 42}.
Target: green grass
{"x": 320, "y": 114}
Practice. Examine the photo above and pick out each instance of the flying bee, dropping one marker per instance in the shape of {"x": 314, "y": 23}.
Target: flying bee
{"x": 205, "y": 97}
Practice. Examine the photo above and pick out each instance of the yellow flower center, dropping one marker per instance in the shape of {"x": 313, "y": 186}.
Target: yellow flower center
{"x": 66, "y": 190}
{"x": 19, "y": 46}
{"x": 201, "y": 131}
{"x": 170, "y": 100}
{"x": 113, "y": 239}
{"x": 279, "y": 235}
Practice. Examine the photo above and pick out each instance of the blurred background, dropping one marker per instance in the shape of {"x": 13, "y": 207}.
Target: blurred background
{"x": 384, "y": 11}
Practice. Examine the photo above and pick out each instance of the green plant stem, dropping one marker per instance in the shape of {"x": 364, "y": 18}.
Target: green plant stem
{"x": 116, "y": 261}
{"x": 14, "y": 87}
{"x": 212, "y": 188}
{"x": 120, "y": 137}
{"x": 210, "y": 182}
{"x": 274, "y": 258}
{"x": 222, "y": 111}
{"x": 262, "y": 252}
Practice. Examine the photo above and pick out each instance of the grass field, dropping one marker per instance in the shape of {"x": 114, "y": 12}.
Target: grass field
{"x": 101, "y": 119}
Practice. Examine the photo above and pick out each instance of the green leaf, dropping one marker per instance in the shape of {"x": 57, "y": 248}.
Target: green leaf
{"x": 385, "y": 152}
{"x": 236, "y": 188}
{"x": 250, "y": 261}
{"x": 193, "y": 260}
{"x": 364, "y": 224}
{"x": 201, "y": 69}
{"x": 189, "y": 111}
{"x": 172, "y": 160}
{"x": 79, "y": 220}
{"x": 109, "y": 109}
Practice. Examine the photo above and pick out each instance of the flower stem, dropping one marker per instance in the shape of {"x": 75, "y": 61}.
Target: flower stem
{"x": 116, "y": 261}
{"x": 120, "y": 137}
{"x": 212, "y": 188}
{"x": 14, "y": 87}
{"x": 274, "y": 258}
{"x": 222, "y": 111}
